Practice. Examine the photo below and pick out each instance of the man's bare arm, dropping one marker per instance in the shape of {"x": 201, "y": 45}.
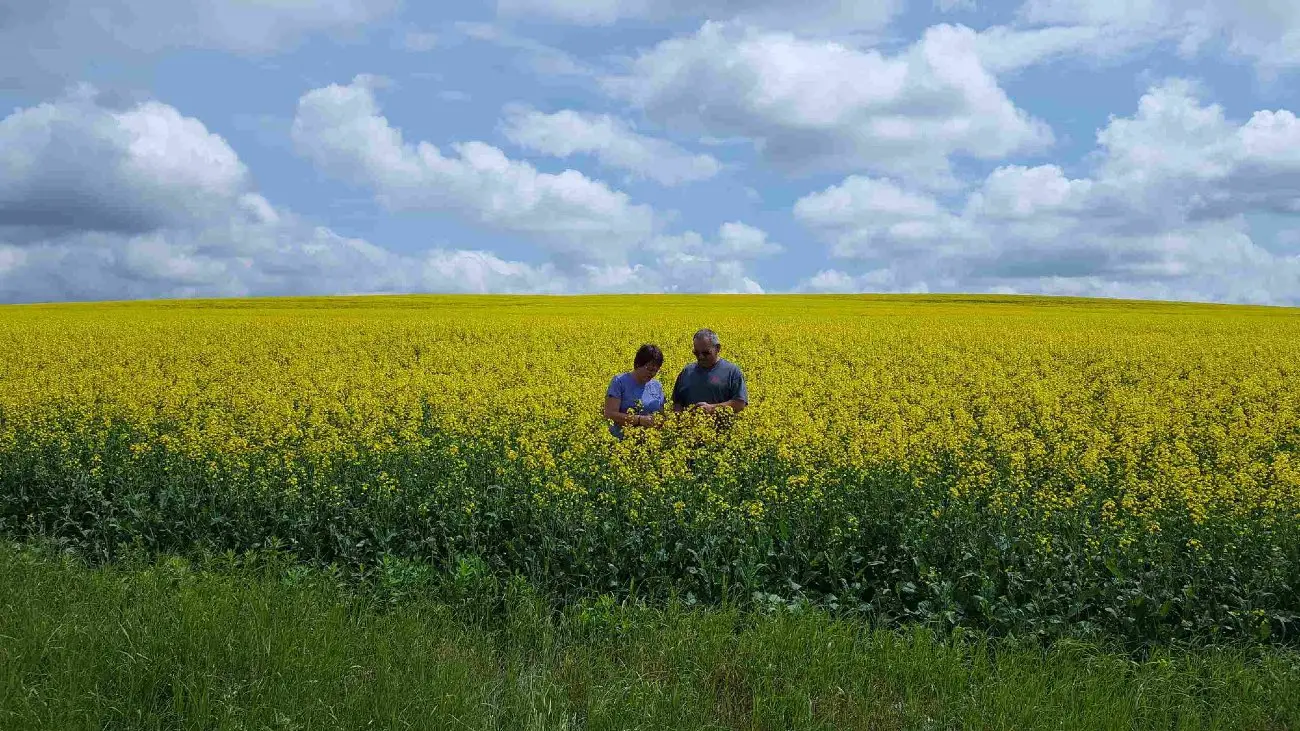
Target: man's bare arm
{"x": 735, "y": 404}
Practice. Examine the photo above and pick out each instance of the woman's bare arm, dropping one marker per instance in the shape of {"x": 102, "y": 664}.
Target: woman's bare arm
{"x": 618, "y": 417}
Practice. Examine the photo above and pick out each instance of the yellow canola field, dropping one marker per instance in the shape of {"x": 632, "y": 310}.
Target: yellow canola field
{"x": 927, "y": 433}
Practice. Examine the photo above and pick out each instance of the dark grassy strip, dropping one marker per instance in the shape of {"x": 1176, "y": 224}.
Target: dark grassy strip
{"x": 168, "y": 647}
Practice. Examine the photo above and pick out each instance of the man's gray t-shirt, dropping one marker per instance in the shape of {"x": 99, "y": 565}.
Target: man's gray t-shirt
{"x": 718, "y": 384}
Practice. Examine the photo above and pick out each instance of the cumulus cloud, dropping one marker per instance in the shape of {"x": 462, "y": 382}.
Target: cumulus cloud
{"x": 887, "y": 280}
{"x": 1189, "y": 160}
{"x": 143, "y": 202}
{"x": 814, "y": 15}
{"x": 1164, "y": 214}
{"x": 340, "y": 128}
{"x": 691, "y": 274}
{"x": 612, "y": 141}
{"x": 689, "y": 262}
{"x": 104, "y": 203}
{"x": 252, "y": 259}
{"x": 42, "y": 43}
{"x": 810, "y": 105}
{"x": 873, "y": 219}
{"x": 742, "y": 241}
{"x": 71, "y": 165}
{"x": 735, "y": 241}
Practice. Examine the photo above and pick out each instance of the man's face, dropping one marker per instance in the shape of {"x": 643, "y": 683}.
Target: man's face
{"x": 705, "y": 354}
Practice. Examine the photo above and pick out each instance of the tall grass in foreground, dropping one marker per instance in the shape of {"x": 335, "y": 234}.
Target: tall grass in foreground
{"x": 165, "y": 646}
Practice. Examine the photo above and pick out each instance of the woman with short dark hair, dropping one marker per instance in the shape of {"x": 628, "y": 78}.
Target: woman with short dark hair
{"x": 634, "y": 397}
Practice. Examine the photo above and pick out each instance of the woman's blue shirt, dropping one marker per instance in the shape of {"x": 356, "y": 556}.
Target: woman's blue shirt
{"x": 641, "y": 399}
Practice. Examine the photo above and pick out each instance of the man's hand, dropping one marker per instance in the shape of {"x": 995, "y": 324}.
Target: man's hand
{"x": 706, "y": 408}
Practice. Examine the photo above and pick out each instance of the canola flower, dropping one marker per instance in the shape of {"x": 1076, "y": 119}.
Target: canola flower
{"x": 1014, "y": 463}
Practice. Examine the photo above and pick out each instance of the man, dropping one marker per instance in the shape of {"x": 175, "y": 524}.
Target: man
{"x": 711, "y": 382}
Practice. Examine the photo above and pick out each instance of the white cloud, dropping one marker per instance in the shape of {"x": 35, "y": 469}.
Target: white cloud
{"x": 831, "y": 280}
{"x": 736, "y": 241}
{"x": 878, "y": 220}
{"x": 1164, "y": 215}
{"x": 143, "y": 202}
{"x": 814, "y": 15}
{"x": 74, "y": 165}
{"x": 1004, "y": 49}
{"x": 742, "y": 241}
{"x": 834, "y": 281}
{"x": 1187, "y": 159}
{"x": 612, "y": 141}
{"x": 252, "y": 259}
{"x": 812, "y": 105}
{"x": 101, "y": 203}
{"x": 43, "y": 42}
{"x": 693, "y": 274}
{"x": 1019, "y": 193}
{"x": 688, "y": 262}
{"x": 341, "y": 130}
{"x": 417, "y": 41}
{"x": 540, "y": 58}
{"x": 1266, "y": 31}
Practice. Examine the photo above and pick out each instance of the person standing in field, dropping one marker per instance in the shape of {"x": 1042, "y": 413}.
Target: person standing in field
{"x": 634, "y": 397}
{"x": 711, "y": 382}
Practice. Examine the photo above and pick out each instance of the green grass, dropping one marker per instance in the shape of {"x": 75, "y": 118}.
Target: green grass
{"x": 166, "y": 646}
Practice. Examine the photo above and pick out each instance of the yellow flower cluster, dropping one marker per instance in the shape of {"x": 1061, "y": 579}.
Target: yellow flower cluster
{"x": 1092, "y": 426}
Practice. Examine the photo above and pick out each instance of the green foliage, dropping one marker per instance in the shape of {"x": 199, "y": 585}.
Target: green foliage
{"x": 252, "y": 642}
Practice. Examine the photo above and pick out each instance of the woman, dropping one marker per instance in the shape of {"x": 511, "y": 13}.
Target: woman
{"x": 636, "y": 392}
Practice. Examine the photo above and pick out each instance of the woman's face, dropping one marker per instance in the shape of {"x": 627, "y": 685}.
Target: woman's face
{"x": 647, "y": 371}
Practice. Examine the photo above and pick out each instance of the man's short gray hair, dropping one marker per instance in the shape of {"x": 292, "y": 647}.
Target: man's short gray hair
{"x": 707, "y": 336}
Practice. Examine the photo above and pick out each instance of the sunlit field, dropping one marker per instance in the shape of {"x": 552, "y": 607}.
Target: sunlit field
{"x": 1030, "y": 466}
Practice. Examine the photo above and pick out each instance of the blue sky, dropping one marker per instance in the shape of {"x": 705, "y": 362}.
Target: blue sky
{"x": 235, "y": 147}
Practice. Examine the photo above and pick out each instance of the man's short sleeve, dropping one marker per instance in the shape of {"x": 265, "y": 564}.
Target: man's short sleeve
{"x": 615, "y": 389}
{"x": 739, "y": 389}
{"x": 679, "y": 389}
